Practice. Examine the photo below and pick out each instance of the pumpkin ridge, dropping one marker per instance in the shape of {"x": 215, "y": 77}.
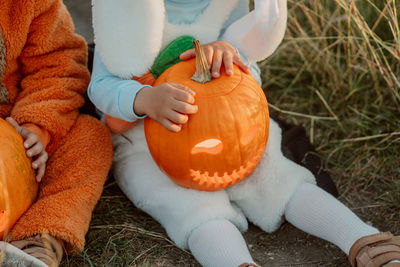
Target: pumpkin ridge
{"x": 236, "y": 129}
{"x": 4, "y": 225}
{"x": 4, "y": 194}
{"x": 167, "y": 79}
{"x": 224, "y": 180}
{"x": 224, "y": 94}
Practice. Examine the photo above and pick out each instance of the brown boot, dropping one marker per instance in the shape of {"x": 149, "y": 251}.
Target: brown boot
{"x": 375, "y": 251}
{"x": 43, "y": 247}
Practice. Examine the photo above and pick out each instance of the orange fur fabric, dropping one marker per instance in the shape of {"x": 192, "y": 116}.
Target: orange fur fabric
{"x": 72, "y": 185}
{"x": 44, "y": 67}
{"x": 43, "y": 76}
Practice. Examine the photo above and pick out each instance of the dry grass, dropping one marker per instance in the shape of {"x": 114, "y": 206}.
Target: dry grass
{"x": 121, "y": 235}
{"x": 339, "y": 67}
{"x": 337, "y": 73}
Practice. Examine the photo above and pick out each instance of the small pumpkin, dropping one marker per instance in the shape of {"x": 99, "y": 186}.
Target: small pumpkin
{"x": 223, "y": 142}
{"x": 18, "y": 187}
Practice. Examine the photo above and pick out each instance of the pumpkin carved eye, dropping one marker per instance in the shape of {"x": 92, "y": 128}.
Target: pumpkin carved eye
{"x": 250, "y": 134}
{"x": 209, "y": 146}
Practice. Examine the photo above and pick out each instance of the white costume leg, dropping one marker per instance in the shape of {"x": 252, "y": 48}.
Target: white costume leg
{"x": 178, "y": 209}
{"x": 219, "y": 243}
{"x": 318, "y": 213}
{"x": 264, "y": 194}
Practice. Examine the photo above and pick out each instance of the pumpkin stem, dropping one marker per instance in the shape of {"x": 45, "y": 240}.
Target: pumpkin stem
{"x": 202, "y": 74}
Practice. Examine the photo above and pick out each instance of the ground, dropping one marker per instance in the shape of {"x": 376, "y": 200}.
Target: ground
{"x": 121, "y": 235}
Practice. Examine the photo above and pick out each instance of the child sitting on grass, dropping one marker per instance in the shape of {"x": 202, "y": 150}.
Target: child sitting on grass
{"x": 43, "y": 77}
{"x": 129, "y": 35}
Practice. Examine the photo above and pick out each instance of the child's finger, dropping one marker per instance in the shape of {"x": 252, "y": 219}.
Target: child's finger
{"x": 41, "y": 160}
{"x": 25, "y": 133}
{"x": 171, "y": 126}
{"x": 184, "y": 108}
{"x": 30, "y": 140}
{"x": 184, "y": 88}
{"x": 40, "y": 173}
{"x": 184, "y": 96}
{"x": 228, "y": 63}
{"x": 188, "y": 54}
{"x": 176, "y": 117}
{"x": 21, "y": 130}
{"x": 35, "y": 150}
{"x": 238, "y": 61}
{"x": 216, "y": 65}
{"x": 14, "y": 124}
{"x": 209, "y": 54}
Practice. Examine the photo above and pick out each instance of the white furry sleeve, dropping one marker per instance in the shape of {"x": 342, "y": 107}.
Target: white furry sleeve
{"x": 128, "y": 34}
{"x": 258, "y": 34}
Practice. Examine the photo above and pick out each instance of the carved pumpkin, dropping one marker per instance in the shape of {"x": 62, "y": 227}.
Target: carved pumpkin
{"x": 222, "y": 143}
{"x": 18, "y": 188}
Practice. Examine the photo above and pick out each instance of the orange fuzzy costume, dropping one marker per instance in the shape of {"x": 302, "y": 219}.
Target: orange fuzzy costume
{"x": 43, "y": 76}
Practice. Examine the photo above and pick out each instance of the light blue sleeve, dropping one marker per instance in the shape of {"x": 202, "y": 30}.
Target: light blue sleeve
{"x": 112, "y": 95}
{"x": 241, "y": 10}
{"x": 254, "y": 69}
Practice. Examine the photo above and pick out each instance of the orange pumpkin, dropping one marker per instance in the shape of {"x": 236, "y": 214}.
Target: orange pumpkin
{"x": 18, "y": 188}
{"x": 223, "y": 142}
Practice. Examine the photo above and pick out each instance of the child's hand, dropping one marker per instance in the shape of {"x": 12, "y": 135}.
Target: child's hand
{"x": 167, "y": 103}
{"x": 34, "y": 148}
{"x": 219, "y": 52}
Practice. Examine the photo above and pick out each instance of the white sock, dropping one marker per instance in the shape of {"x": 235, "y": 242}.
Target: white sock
{"x": 316, "y": 212}
{"x": 219, "y": 243}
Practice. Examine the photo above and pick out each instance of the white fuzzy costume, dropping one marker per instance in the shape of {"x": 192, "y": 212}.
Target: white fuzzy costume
{"x": 262, "y": 196}
{"x": 129, "y": 34}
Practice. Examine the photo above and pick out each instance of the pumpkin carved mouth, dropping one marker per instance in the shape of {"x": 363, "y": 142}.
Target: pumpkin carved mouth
{"x": 214, "y": 147}
{"x": 226, "y": 179}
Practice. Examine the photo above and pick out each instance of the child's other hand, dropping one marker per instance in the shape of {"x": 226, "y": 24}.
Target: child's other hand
{"x": 167, "y": 103}
{"x": 219, "y": 52}
{"x": 34, "y": 148}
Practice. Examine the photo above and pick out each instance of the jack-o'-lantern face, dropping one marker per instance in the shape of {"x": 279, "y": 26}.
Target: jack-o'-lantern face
{"x": 222, "y": 143}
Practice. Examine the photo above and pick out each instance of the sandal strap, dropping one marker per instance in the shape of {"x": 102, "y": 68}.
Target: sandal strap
{"x": 22, "y": 244}
{"x": 392, "y": 264}
{"x": 56, "y": 245}
{"x": 43, "y": 247}
{"x": 49, "y": 259}
{"x": 375, "y": 250}
{"x": 384, "y": 258}
{"x": 246, "y": 264}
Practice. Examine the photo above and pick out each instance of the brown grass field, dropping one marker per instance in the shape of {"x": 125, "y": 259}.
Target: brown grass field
{"x": 337, "y": 73}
